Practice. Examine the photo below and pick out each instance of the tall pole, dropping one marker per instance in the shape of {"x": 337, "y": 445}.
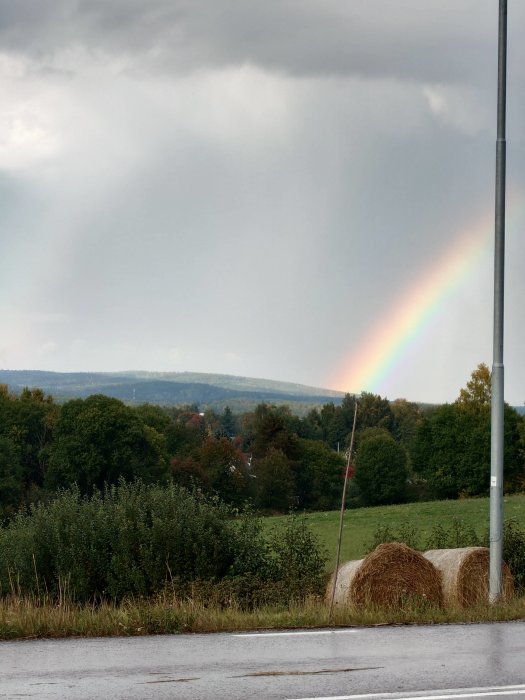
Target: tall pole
{"x": 496, "y": 455}
{"x": 342, "y": 514}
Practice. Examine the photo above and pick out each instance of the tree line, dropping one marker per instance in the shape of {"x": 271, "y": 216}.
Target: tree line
{"x": 268, "y": 456}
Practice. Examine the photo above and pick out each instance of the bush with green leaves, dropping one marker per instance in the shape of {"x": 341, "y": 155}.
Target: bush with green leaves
{"x": 459, "y": 534}
{"x": 297, "y": 558}
{"x": 127, "y": 540}
{"x": 514, "y": 553}
{"x": 134, "y": 539}
{"x": 286, "y": 568}
{"x": 406, "y": 534}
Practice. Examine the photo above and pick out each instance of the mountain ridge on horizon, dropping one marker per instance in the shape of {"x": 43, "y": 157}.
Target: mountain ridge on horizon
{"x": 171, "y": 388}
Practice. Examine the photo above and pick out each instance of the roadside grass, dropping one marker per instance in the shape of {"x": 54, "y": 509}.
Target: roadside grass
{"x": 24, "y": 618}
{"x": 361, "y": 523}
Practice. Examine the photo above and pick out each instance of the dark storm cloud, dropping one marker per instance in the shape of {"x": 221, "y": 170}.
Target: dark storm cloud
{"x": 435, "y": 40}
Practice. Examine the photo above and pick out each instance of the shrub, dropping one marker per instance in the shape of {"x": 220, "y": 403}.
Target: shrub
{"x": 135, "y": 539}
{"x": 514, "y": 553}
{"x": 299, "y": 561}
{"x": 128, "y": 540}
{"x": 459, "y": 534}
{"x": 407, "y": 534}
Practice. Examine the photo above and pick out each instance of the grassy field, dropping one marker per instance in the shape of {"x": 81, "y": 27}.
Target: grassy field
{"x": 360, "y": 524}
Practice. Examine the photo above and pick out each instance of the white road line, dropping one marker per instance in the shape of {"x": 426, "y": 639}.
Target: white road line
{"x": 293, "y": 634}
{"x": 445, "y": 694}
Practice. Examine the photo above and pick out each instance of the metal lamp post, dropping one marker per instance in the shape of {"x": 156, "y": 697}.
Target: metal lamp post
{"x": 497, "y": 403}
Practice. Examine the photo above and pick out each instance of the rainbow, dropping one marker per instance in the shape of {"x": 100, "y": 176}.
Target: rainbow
{"x": 389, "y": 340}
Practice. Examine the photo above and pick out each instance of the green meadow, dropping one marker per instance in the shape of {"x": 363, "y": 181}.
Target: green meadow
{"x": 360, "y": 524}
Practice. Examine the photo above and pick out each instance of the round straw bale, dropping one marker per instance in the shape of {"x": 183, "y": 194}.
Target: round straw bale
{"x": 345, "y": 576}
{"x": 387, "y": 577}
{"x": 465, "y": 575}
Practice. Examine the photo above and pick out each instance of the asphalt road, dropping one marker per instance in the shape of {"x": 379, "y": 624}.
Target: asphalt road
{"x": 382, "y": 663}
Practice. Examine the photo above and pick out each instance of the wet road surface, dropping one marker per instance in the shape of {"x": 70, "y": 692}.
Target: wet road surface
{"x": 382, "y": 663}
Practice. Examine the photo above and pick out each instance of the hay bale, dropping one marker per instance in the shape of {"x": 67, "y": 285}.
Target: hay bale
{"x": 345, "y": 576}
{"x": 389, "y": 576}
{"x": 465, "y": 575}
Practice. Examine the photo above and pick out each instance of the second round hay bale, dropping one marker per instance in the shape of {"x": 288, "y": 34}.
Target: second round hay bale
{"x": 465, "y": 575}
{"x": 389, "y": 576}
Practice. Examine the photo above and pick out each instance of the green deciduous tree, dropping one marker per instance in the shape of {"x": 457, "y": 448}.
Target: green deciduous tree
{"x": 374, "y": 411}
{"x": 182, "y": 439}
{"x": 311, "y": 427}
{"x": 381, "y": 469}
{"x": 435, "y": 450}
{"x": 275, "y": 481}
{"x": 407, "y": 417}
{"x": 334, "y": 425}
{"x": 11, "y": 477}
{"x": 26, "y": 427}
{"x": 451, "y": 450}
{"x": 100, "y": 440}
{"x": 154, "y": 416}
{"x": 319, "y": 476}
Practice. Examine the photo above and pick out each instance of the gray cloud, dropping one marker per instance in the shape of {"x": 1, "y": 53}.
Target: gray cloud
{"x": 438, "y": 41}
{"x": 250, "y": 187}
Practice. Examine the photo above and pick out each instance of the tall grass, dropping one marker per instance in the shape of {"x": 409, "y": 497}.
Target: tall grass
{"x": 28, "y": 618}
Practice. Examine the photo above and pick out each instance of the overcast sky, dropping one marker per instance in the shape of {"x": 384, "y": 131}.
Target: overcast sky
{"x": 258, "y": 187}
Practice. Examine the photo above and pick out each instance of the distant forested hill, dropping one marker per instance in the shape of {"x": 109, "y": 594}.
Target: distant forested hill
{"x": 172, "y": 388}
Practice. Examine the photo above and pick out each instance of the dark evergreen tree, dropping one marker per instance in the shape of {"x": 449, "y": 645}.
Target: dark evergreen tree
{"x": 228, "y": 424}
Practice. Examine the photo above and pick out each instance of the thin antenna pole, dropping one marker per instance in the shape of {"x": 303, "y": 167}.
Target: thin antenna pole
{"x": 343, "y": 502}
{"x": 497, "y": 402}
